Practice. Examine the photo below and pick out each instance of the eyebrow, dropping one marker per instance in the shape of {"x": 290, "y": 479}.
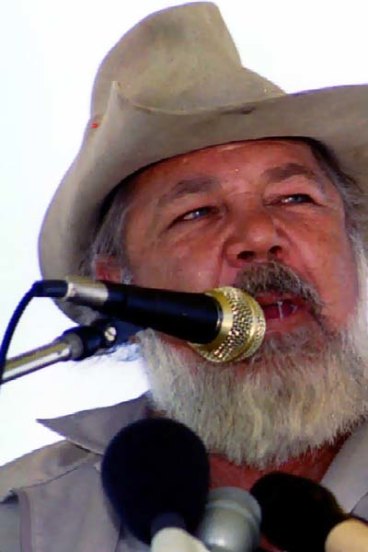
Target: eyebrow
{"x": 283, "y": 172}
{"x": 195, "y": 185}
{"x": 202, "y": 184}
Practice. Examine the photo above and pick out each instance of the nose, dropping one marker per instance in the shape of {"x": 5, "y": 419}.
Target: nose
{"x": 253, "y": 236}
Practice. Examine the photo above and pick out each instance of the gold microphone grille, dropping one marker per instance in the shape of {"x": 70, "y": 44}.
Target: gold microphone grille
{"x": 242, "y": 328}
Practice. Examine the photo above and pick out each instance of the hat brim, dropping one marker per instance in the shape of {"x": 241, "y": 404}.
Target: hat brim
{"x": 132, "y": 136}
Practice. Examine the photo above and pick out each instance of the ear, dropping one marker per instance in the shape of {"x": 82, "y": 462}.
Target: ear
{"x": 107, "y": 267}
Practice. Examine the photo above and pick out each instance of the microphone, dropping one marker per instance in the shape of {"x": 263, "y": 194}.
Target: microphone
{"x": 299, "y": 515}
{"x": 231, "y": 521}
{"x": 222, "y": 324}
{"x": 155, "y": 473}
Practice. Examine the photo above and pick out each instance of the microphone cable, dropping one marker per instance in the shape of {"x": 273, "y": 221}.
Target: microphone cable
{"x": 12, "y": 325}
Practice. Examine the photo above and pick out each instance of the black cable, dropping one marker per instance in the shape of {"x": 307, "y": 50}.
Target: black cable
{"x": 13, "y": 322}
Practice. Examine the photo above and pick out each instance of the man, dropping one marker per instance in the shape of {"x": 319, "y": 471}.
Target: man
{"x": 196, "y": 173}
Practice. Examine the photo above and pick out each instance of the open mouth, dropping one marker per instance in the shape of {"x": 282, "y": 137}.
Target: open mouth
{"x": 280, "y": 308}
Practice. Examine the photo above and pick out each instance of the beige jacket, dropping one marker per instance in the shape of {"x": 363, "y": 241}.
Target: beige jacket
{"x": 63, "y": 508}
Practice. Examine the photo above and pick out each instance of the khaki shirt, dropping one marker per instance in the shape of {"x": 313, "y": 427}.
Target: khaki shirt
{"x": 61, "y": 502}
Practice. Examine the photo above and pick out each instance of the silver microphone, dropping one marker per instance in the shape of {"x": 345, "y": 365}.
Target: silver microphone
{"x": 231, "y": 521}
{"x": 223, "y": 324}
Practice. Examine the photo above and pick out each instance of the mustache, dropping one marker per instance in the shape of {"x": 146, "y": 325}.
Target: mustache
{"x": 278, "y": 278}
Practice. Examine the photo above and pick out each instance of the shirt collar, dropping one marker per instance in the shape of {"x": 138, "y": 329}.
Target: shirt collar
{"x": 347, "y": 476}
{"x": 94, "y": 429}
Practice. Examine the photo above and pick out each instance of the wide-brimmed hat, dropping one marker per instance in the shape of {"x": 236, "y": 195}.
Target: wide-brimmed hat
{"x": 173, "y": 84}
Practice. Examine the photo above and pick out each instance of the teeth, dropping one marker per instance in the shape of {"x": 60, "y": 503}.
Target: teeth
{"x": 279, "y": 306}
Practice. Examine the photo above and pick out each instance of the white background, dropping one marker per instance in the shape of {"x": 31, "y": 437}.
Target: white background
{"x": 49, "y": 55}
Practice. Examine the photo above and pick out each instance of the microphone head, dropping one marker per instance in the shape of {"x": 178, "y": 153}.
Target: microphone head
{"x": 153, "y": 467}
{"x": 241, "y": 329}
{"x": 297, "y": 513}
{"x": 231, "y": 521}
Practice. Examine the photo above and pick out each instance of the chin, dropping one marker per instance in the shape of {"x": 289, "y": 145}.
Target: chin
{"x": 290, "y": 397}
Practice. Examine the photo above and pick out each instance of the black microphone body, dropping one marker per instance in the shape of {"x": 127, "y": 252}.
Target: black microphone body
{"x": 222, "y": 324}
{"x": 300, "y": 515}
{"x": 196, "y": 317}
{"x": 155, "y": 473}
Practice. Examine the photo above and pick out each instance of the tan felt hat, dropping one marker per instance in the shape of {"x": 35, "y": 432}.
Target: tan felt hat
{"x": 173, "y": 84}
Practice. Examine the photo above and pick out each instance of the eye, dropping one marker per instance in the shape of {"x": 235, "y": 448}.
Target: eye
{"x": 296, "y": 199}
{"x": 195, "y": 214}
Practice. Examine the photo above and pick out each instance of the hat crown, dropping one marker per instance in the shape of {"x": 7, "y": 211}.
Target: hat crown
{"x": 179, "y": 59}
{"x": 172, "y": 85}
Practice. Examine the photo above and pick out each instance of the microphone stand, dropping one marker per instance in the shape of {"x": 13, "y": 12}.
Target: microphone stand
{"x": 74, "y": 344}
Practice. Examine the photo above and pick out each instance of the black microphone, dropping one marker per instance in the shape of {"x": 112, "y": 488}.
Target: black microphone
{"x": 155, "y": 473}
{"x": 223, "y": 324}
{"x": 299, "y": 515}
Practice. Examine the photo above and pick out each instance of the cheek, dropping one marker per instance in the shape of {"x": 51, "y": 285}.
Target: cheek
{"x": 332, "y": 269}
{"x": 180, "y": 266}
{"x": 346, "y": 286}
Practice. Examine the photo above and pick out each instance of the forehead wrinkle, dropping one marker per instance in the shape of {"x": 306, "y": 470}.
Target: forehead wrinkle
{"x": 187, "y": 186}
{"x": 283, "y": 172}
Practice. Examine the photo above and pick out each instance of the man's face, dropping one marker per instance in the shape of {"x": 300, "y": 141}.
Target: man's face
{"x": 197, "y": 220}
{"x": 263, "y": 216}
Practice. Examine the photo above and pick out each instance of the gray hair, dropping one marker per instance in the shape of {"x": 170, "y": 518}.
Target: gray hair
{"x": 350, "y": 191}
{"x": 109, "y": 239}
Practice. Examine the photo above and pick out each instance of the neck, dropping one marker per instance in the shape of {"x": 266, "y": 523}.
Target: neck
{"x": 312, "y": 464}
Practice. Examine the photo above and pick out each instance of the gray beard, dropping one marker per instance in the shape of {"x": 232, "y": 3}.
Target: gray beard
{"x": 289, "y": 398}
